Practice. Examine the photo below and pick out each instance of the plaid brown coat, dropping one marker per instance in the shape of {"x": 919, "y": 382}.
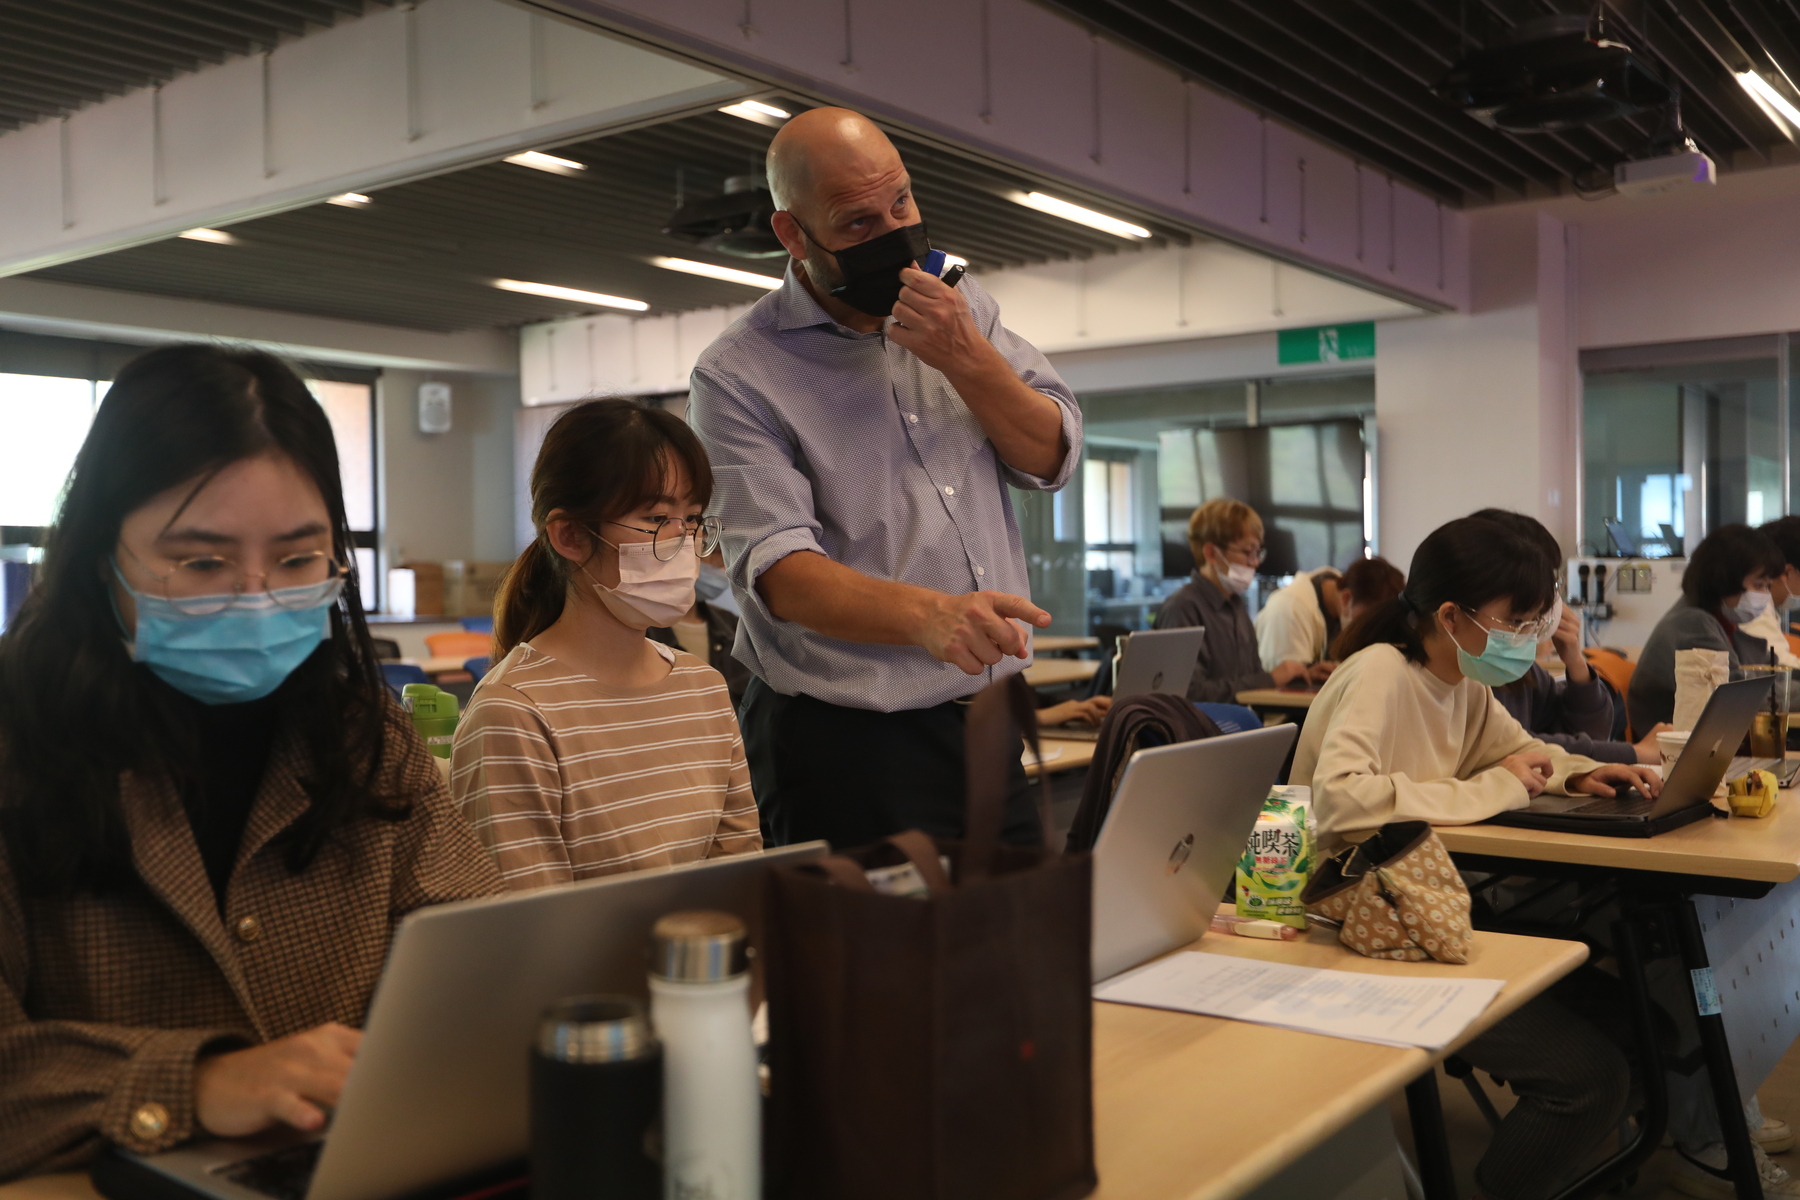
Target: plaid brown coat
{"x": 105, "y": 1001}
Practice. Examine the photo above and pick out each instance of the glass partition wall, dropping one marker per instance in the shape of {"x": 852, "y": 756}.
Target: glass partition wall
{"x": 1108, "y": 549}
{"x": 1680, "y": 439}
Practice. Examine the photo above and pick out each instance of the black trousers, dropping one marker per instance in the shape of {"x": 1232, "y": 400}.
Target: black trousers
{"x": 852, "y": 776}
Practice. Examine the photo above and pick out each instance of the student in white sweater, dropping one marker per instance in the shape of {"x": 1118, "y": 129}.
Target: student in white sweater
{"x": 1406, "y": 729}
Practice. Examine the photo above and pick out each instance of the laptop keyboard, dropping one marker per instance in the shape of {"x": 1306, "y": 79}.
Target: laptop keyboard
{"x": 1630, "y": 805}
{"x": 283, "y": 1174}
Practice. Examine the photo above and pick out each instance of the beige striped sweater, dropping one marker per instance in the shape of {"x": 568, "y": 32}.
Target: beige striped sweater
{"x": 566, "y": 779}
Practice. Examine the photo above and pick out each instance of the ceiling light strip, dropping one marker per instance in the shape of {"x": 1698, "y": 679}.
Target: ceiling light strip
{"x": 713, "y": 271}
{"x": 555, "y": 292}
{"x": 1079, "y": 215}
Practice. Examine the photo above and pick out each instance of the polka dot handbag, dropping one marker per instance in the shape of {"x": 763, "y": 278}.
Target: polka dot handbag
{"x": 1395, "y": 895}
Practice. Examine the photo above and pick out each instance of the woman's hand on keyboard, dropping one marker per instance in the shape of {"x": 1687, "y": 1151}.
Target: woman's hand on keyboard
{"x": 1608, "y": 778}
{"x": 1533, "y": 770}
{"x": 292, "y": 1081}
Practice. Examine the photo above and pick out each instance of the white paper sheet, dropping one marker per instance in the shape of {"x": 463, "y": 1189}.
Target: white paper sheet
{"x": 1391, "y": 1010}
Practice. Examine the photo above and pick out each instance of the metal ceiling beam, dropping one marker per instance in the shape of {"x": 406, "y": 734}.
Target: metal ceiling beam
{"x": 1229, "y": 75}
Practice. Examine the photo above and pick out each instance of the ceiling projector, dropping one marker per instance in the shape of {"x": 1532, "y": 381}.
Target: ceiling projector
{"x": 735, "y": 223}
{"x": 1665, "y": 173}
{"x": 1552, "y": 74}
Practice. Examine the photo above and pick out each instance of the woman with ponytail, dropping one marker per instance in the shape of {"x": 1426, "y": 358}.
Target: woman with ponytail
{"x": 1407, "y": 729}
{"x": 590, "y": 749}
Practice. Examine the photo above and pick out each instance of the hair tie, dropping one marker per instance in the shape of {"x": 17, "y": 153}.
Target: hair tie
{"x": 1411, "y": 607}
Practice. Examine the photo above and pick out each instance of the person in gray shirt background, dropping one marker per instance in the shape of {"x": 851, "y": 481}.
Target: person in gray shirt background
{"x": 861, "y": 469}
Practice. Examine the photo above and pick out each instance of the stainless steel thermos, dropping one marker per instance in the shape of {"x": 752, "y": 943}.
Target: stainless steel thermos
{"x": 596, "y": 1096}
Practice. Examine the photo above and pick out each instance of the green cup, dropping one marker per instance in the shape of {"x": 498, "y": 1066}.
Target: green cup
{"x": 433, "y": 715}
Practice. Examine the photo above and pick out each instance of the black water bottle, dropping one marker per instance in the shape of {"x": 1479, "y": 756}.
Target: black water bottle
{"x": 596, "y": 1097}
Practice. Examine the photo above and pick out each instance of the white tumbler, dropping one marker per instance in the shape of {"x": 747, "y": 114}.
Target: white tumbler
{"x": 712, "y": 1100}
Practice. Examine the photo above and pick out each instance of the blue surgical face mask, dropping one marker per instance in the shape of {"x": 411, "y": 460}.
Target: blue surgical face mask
{"x": 242, "y": 652}
{"x": 1505, "y": 658}
{"x": 712, "y": 582}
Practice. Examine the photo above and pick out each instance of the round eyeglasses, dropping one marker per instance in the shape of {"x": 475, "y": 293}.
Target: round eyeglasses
{"x": 667, "y": 534}
{"x": 211, "y": 583}
{"x": 1536, "y": 628}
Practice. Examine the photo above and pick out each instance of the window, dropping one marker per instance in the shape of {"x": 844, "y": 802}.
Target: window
{"x": 1108, "y": 500}
{"x": 43, "y": 421}
{"x": 1678, "y": 440}
{"x": 350, "y": 407}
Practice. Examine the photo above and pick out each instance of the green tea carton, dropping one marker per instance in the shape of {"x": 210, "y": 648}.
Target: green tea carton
{"x": 1279, "y": 859}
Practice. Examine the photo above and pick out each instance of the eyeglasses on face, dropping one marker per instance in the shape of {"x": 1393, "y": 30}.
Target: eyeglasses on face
{"x": 667, "y": 534}
{"x": 210, "y": 583}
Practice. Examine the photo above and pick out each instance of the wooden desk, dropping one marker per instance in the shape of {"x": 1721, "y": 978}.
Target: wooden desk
{"x": 1063, "y": 756}
{"x": 1051, "y": 643}
{"x": 1764, "y": 851}
{"x": 1170, "y": 1122}
{"x": 1276, "y": 698}
{"x": 1048, "y": 672}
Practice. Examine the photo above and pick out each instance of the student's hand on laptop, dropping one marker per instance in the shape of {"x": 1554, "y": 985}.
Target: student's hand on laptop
{"x": 1533, "y": 770}
{"x": 292, "y": 1081}
{"x": 1089, "y": 712}
{"x": 1285, "y": 673}
{"x": 1648, "y": 752}
{"x": 1608, "y": 779}
{"x": 1320, "y": 671}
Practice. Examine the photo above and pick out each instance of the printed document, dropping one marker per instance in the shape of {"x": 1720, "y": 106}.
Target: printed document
{"x": 1392, "y": 1010}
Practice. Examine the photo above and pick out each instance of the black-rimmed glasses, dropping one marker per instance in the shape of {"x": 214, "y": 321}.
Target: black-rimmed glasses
{"x": 667, "y": 534}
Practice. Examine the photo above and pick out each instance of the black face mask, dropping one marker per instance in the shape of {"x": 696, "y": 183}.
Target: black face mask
{"x": 872, "y": 269}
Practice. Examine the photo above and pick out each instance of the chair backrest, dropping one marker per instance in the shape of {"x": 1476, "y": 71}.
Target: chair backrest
{"x": 460, "y": 644}
{"x": 398, "y": 675}
{"x": 477, "y": 666}
{"x": 478, "y": 624}
{"x": 386, "y": 649}
{"x": 1230, "y": 718}
{"x": 1616, "y": 669}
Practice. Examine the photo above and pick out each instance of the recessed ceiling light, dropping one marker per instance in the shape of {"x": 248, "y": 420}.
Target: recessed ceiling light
{"x": 349, "y": 200}
{"x": 756, "y": 110}
{"x": 728, "y": 274}
{"x": 1079, "y": 215}
{"x": 566, "y": 293}
{"x": 1764, "y": 93}
{"x": 209, "y": 235}
{"x": 539, "y": 161}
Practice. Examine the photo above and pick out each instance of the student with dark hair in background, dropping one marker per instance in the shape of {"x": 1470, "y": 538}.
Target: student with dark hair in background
{"x": 1725, "y": 587}
{"x": 590, "y": 749}
{"x": 212, "y": 812}
{"x": 1576, "y": 711}
{"x": 1784, "y": 592}
{"x": 1227, "y": 540}
{"x": 1300, "y": 622}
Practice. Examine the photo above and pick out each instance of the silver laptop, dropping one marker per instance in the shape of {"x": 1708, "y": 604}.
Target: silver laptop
{"x": 1158, "y": 660}
{"x": 439, "y": 1089}
{"x": 1178, "y": 824}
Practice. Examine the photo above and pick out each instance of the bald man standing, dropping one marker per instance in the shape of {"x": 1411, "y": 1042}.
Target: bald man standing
{"x": 864, "y": 421}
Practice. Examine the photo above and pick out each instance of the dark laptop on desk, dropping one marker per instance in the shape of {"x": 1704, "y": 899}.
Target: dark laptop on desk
{"x": 436, "y": 1101}
{"x": 1687, "y": 791}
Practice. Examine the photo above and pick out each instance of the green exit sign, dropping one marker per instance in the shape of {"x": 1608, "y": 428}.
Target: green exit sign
{"x": 1326, "y": 343}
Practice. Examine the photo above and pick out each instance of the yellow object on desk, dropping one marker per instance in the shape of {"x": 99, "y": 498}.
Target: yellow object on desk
{"x": 1752, "y": 794}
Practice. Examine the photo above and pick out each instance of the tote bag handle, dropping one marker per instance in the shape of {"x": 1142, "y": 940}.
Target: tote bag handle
{"x": 994, "y": 714}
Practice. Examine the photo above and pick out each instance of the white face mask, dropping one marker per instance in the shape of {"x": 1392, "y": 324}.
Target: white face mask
{"x": 1750, "y": 606}
{"x": 1238, "y": 577}
{"x": 652, "y": 594}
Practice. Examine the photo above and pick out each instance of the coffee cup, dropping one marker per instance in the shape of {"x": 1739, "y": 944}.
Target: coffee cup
{"x": 1672, "y": 742}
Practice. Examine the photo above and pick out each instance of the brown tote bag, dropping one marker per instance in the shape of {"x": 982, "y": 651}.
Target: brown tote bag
{"x": 1395, "y": 895}
{"x": 935, "y": 1047}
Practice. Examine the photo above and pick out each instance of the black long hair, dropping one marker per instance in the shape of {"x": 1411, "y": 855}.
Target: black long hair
{"x": 1724, "y": 559}
{"x": 75, "y": 711}
{"x": 599, "y": 461}
{"x": 1468, "y": 561}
